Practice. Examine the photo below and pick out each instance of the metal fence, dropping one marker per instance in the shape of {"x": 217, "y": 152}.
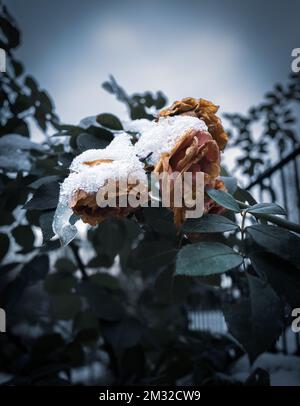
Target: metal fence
{"x": 281, "y": 184}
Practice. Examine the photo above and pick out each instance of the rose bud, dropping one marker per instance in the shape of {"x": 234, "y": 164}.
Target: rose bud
{"x": 102, "y": 180}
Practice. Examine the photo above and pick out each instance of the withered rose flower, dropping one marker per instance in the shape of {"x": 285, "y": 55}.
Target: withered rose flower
{"x": 195, "y": 151}
{"x": 204, "y": 110}
{"x": 106, "y": 175}
{"x": 85, "y": 205}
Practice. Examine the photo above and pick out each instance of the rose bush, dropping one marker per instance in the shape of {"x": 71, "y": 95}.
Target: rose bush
{"x": 190, "y": 149}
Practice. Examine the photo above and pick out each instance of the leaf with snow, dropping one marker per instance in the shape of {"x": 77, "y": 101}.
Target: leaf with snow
{"x": 14, "y": 152}
{"x": 61, "y": 225}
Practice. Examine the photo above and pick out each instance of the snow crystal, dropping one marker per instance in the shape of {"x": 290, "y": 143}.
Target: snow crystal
{"x": 159, "y": 137}
{"x": 125, "y": 164}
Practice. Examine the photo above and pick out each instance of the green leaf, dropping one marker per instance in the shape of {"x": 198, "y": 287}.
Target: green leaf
{"x": 45, "y": 197}
{"x": 65, "y": 306}
{"x": 161, "y": 220}
{"x": 24, "y": 236}
{"x": 278, "y": 241}
{"x": 210, "y": 223}
{"x": 85, "y": 320}
{"x": 109, "y": 121}
{"x": 230, "y": 184}
{"x": 244, "y": 196}
{"x": 109, "y": 238}
{"x": 266, "y": 208}
{"x": 59, "y": 283}
{"x": 224, "y": 199}
{"x": 124, "y": 334}
{"x": 256, "y": 321}
{"x": 104, "y": 305}
{"x": 65, "y": 265}
{"x": 36, "y": 269}
{"x": 153, "y": 254}
{"x": 171, "y": 288}
{"x": 4, "y": 245}
{"x": 89, "y": 141}
{"x": 41, "y": 181}
{"x": 206, "y": 258}
{"x": 282, "y": 276}
{"x": 105, "y": 280}
{"x": 45, "y": 222}
{"x": 6, "y": 218}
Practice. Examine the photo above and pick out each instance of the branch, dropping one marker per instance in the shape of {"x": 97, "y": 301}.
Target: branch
{"x": 80, "y": 264}
{"x": 289, "y": 225}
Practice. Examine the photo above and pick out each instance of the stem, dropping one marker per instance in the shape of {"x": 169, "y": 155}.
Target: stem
{"x": 243, "y": 214}
{"x": 80, "y": 264}
{"x": 289, "y": 225}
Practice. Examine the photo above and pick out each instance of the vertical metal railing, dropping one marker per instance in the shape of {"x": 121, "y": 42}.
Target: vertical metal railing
{"x": 282, "y": 180}
{"x": 279, "y": 183}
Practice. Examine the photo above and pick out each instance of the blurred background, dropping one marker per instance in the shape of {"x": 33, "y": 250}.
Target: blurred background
{"x": 227, "y": 51}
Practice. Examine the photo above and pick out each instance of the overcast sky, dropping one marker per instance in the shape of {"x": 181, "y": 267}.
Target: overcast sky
{"x": 230, "y": 52}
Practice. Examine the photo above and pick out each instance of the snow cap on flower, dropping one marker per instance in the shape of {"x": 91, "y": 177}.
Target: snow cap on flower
{"x": 91, "y": 170}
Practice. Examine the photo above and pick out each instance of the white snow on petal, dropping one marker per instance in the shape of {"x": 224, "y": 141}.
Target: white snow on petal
{"x": 138, "y": 126}
{"x": 119, "y": 148}
{"x": 161, "y": 136}
{"x": 125, "y": 164}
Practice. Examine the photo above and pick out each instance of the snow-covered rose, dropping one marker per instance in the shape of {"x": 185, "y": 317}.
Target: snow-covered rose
{"x": 204, "y": 110}
{"x": 93, "y": 171}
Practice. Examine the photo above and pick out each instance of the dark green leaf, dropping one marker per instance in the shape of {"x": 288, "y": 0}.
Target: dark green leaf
{"x": 59, "y": 283}
{"x": 85, "y": 320}
{"x": 24, "y": 236}
{"x": 45, "y": 222}
{"x": 109, "y": 237}
{"x": 4, "y": 245}
{"x": 282, "y": 276}
{"x": 161, "y": 220}
{"x": 36, "y": 269}
{"x": 65, "y": 265}
{"x": 105, "y": 305}
{"x": 230, "y": 184}
{"x": 105, "y": 280}
{"x": 224, "y": 199}
{"x": 244, "y": 196}
{"x": 256, "y": 321}
{"x": 89, "y": 141}
{"x": 278, "y": 241}
{"x": 153, "y": 254}
{"x": 109, "y": 121}
{"x": 46, "y": 197}
{"x": 210, "y": 223}
{"x": 206, "y": 258}
{"x": 266, "y": 208}
{"x": 124, "y": 334}
{"x": 65, "y": 306}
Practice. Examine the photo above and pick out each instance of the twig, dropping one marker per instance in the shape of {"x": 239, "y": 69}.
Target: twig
{"x": 289, "y": 225}
{"x": 80, "y": 264}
